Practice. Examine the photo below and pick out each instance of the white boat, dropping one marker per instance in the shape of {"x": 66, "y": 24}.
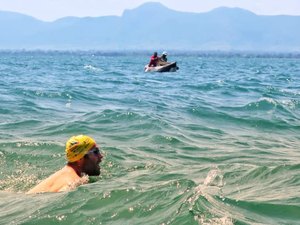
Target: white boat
{"x": 171, "y": 67}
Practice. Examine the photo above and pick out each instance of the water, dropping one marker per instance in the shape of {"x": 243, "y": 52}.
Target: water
{"x": 215, "y": 143}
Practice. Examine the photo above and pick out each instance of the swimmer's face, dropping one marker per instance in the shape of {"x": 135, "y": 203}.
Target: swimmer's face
{"x": 91, "y": 162}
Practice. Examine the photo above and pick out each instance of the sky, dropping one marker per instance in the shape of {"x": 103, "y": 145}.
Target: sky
{"x": 50, "y": 10}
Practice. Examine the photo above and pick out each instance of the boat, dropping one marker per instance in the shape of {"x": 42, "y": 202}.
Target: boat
{"x": 170, "y": 67}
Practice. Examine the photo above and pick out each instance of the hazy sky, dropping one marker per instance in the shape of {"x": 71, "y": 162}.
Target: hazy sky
{"x": 53, "y": 9}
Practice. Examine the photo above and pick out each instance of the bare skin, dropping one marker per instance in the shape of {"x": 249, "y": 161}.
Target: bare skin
{"x": 71, "y": 175}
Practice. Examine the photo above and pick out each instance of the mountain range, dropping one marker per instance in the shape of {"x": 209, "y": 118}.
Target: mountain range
{"x": 153, "y": 26}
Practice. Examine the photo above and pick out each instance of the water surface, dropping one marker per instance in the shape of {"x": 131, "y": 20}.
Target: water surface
{"x": 215, "y": 143}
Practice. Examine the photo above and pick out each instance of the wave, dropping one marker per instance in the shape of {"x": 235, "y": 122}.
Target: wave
{"x": 136, "y": 192}
{"x": 93, "y": 68}
{"x": 266, "y": 104}
{"x": 214, "y": 143}
{"x": 264, "y": 114}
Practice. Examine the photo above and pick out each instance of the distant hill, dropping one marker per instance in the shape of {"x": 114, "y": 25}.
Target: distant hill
{"x": 153, "y": 26}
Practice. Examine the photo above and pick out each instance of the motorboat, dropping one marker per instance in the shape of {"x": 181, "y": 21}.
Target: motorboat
{"x": 170, "y": 67}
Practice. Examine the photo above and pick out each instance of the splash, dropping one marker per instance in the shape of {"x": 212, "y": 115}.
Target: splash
{"x": 214, "y": 178}
{"x": 202, "y": 201}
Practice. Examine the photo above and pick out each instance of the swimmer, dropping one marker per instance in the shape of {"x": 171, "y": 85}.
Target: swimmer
{"x": 83, "y": 158}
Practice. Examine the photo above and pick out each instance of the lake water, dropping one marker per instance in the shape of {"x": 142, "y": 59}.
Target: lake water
{"x": 215, "y": 143}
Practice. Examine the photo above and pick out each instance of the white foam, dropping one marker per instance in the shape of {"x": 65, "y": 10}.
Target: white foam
{"x": 270, "y": 100}
{"x": 92, "y": 68}
{"x": 68, "y": 105}
{"x": 214, "y": 221}
{"x": 214, "y": 178}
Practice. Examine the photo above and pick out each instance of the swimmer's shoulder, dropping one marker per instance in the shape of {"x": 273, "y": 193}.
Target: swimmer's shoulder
{"x": 57, "y": 182}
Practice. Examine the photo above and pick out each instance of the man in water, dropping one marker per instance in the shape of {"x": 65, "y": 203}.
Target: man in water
{"x": 153, "y": 60}
{"x": 83, "y": 158}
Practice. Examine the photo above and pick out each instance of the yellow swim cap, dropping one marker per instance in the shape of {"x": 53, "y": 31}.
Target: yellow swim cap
{"x": 78, "y": 146}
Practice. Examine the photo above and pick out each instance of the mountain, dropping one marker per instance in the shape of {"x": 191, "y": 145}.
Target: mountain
{"x": 152, "y": 26}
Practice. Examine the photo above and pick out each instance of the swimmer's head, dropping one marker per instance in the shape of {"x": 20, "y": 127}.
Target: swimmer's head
{"x": 78, "y": 146}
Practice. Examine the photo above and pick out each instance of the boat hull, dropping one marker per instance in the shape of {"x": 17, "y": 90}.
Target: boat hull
{"x": 171, "y": 67}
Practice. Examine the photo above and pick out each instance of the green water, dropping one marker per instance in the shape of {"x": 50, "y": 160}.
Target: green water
{"x": 215, "y": 143}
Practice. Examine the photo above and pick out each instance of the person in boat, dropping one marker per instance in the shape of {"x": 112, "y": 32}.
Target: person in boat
{"x": 163, "y": 56}
{"x": 153, "y": 60}
{"x": 163, "y": 59}
{"x": 83, "y": 158}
